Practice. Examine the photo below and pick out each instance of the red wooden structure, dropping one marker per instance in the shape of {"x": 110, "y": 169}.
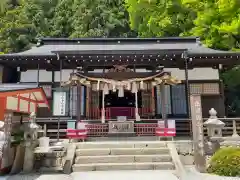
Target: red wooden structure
{"x": 23, "y": 101}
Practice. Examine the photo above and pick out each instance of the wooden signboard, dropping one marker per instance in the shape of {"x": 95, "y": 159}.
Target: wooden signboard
{"x": 59, "y": 103}
{"x": 197, "y": 128}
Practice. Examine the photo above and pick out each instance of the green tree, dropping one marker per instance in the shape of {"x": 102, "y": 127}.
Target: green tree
{"x": 3, "y": 6}
{"x": 152, "y": 18}
{"x": 23, "y": 21}
{"x": 100, "y": 18}
{"x": 16, "y": 31}
{"x": 218, "y": 23}
{"x": 40, "y": 14}
{"x": 62, "y": 22}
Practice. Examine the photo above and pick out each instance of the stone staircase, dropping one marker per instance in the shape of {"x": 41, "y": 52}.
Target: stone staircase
{"x": 106, "y": 156}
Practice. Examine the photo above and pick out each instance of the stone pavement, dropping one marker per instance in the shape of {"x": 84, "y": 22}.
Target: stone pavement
{"x": 198, "y": 176}
{"x": 100, "y": 175}
{"x": 39, "y": 177}
{"x": 126, "y": 175}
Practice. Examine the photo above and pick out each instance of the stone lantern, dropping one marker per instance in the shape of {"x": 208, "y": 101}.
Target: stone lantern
{"x": 214, "y": 131}
{"x": 214, "y": 125}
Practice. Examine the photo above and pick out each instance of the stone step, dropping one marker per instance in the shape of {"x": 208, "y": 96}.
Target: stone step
{"x": 120, "y": 144}
{"x": 123, "y": 166}
{"x": 122, "y": 159}
{"x": 121, "y": 151}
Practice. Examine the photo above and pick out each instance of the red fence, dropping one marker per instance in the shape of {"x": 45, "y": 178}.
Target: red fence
{"x": 145, "y": 129}
{"x": 141, "y": 129}
{"x": 110, "y": 112}
{"x": 97, "y": 130}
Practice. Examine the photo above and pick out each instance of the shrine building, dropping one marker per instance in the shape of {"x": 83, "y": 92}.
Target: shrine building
{"x": 104, "y": 79}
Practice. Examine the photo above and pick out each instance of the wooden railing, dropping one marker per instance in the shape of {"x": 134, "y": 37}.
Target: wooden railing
{"x": 97, "y": 129}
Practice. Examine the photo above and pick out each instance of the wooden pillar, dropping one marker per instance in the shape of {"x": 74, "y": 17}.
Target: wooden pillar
{"x": 147, "y": 100}
{"x": 87, "y": 101}
{"x": 153, "y": 102}
{"x": 163, "y": 104}
{"x": 1, "y": 73}
{"x": 94, "y": 104}
{"x": 79, "y": 104}
{"x": 38, "y": 74}
{"x": 90, "y": 102}
{"x": 103, "y": 115}
{"x": 187, "y": 88}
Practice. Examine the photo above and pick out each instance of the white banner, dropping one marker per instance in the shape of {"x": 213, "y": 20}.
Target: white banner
{"x": 59, "y": 103}
{"x": 161, "y": 124}
{"x": 171, "y": 124}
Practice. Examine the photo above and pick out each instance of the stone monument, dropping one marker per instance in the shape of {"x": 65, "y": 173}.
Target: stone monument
{"x": 197, "y": 129}
{"x": 121, "y": 127}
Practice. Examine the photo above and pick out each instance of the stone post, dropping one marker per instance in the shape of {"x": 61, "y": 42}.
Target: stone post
{"x": 30, "y": 137}
{"x": 235, "y": 134}
{"x": 233, "y": 140}
{"x": 197, "y": 128}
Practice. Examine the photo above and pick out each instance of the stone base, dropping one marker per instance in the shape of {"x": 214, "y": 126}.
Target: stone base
{"x": 125, "y": 134}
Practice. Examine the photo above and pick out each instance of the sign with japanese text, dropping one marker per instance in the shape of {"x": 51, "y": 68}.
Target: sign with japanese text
{"x": 197, "y": 129}
{"x": 59, "y": 103}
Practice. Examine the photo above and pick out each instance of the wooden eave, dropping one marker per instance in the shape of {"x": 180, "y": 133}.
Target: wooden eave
{"x": 24, "y": 100}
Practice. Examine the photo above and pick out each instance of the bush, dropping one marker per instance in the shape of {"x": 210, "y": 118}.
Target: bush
{"x": 225, "y": 162}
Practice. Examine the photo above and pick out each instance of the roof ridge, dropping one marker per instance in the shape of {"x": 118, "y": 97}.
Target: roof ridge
{"x": 42, "y": 41}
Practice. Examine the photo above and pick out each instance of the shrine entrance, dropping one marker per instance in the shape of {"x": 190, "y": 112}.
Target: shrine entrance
{"x": 121, "y": 105}
{"x": 123, "y": 91}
